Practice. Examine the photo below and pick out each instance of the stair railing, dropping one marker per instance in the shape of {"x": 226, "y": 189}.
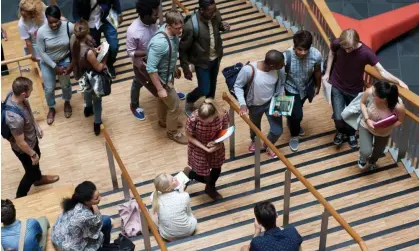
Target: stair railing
{"x": 177, "y": 3}
{"x": 328, "y": 209}
{"x": 128, "y": 185}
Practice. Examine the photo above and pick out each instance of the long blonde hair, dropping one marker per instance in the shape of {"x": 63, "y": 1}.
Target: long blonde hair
{"x": 33, "y": 5}
{"x": 209, "y": 108}
{"x": 161, "y": 183}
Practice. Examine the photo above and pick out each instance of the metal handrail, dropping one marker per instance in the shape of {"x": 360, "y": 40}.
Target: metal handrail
{"x": 180, "y": 5}
{"x": 299, "y": 176}
{"x": 131, "y": 185}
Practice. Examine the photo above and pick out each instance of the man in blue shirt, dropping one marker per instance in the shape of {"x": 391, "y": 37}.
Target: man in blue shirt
{"x": 274, "y": 238}
{"x": 35, "y": 237}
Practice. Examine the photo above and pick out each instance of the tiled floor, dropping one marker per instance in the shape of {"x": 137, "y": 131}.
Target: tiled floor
{"x": 401, "y": 56}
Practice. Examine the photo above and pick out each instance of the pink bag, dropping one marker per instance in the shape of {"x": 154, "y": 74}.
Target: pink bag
{"x": 386, "y": 122}
{"x": 130, "y": 218}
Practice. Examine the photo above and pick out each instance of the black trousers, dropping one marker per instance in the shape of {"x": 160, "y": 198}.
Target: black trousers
{"x": 294, "y": 121}
{"x": 209, "y": 180}
{"x": 4, "y": 68}
{"x": 32, "y": 172}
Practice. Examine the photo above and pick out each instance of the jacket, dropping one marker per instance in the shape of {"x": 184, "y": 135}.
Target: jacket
{"x": 82, "y": 8}
{"x": 352, "y": 114}
{"x": 196, "y": 52}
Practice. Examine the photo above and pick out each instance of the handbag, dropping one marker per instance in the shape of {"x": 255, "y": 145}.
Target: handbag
{"x": 121, "y": 243}
{"x": 143, "y": 75}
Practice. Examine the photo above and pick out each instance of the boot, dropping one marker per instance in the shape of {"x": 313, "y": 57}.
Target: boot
{"x": 212, "y": 192}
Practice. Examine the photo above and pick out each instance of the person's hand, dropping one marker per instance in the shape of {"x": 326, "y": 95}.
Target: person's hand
{"x": 40, "y": 132}
{"x": 325, "y": 77}
{"x": 226, "y": 26}
{"x": 403, "y": 84}
{"x": 187, "y": 73}
{"x": 258, "y": 227}
{"x": 33, "y": 58}
{"x": 162, "y": 93}
{"x": 120, "y": 19}
{"x": 212, "y": 149}
{"x": 35, "y": 160}
{"x": 59, "y": 70}
{"x": 212, "y": 144}
{"x": 244, "y": 111}
{"x": 276, "y": 114}
{"x": 316, "y": 91}
{"x": 178, "y": 73}
{"x": 98, "y": 49}
{"x": 370, "y": 123}
{"x": 95, "y": 209}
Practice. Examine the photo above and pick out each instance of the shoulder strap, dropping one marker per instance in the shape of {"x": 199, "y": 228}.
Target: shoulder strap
{"x": 12, "y": 108}
{"x": 288, "y": 62}
{"x": 170, "y": 55}
{"x": 22, "y": 235}
{"x": 249, "y": 84}
{"x": 195, "y": 25}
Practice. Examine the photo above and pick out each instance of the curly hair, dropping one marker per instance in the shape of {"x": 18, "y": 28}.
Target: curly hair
{"x": 36, "y": 6}
{"x": 8, "y": 212}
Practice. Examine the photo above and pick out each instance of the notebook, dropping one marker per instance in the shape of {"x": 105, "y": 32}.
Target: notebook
{"x": 390, "y": 120}
{"x": 282, "y": 105}
{"x": 224, "y": 134}
{"x": 105, "y": 49}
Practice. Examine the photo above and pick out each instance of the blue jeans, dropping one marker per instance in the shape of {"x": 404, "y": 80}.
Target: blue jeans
{"x": 207, "y": 82}
{"x": 90, "y": 99}
{"x": 135, "y": 89}
{"x": 256, "y": 113}
{"x": 111, "y": 36}
{"x": 340, "y": 100}
{"x": 106, "y": 229}
{"x": 48, "y": 74}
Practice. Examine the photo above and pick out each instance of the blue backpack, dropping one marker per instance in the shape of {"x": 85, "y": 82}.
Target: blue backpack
{"x": 195, "y": 25}
{"x": 230, "y": 74}
{"x": 5, "y": 130}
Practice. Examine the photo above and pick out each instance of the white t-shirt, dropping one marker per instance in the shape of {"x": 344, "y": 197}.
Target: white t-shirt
{"x": 94, "y": 19}
{"x": 264, "y": 85}
{"x": 28, "y": 29}
{"x": 212, "y": 52}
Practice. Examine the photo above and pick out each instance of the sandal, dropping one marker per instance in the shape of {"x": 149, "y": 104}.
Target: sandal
{"x": 51, "y": 116}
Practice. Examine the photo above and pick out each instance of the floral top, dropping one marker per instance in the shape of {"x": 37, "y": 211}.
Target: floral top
{"x": 78, "y": 230}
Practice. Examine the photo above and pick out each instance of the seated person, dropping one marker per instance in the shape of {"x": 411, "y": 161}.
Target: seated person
{"x": 173, "y": 208}
{"x": 81, "y": 226}
{"x": 274, "y": 238}
{"x": 36, "y": 230}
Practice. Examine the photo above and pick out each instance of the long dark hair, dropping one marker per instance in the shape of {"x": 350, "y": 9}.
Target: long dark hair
{"x": 83, "y": 193}
{"x": 81, "y": 30}
{"x": 387, "y": 91}
{"x": 53, "y": 11}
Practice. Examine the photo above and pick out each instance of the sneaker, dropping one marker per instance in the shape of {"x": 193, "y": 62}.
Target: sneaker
{"x": 181, "y": 95}
{"x": 271, "y": 153}
{"x": 96, "y": 128}
{"x": 338, "y": 140}
{"x": 252, "y": 147}
{"x": 178, "y": 137}
{"x": 353, "y": 142}
{"x": 302, "y": 132}
{"x": 187, "y": 171}
{"x": 189, "y": 108}
{"x": 112, "y": 71}
{"x": 372, "y": 166}
{"x": 294, "y": 143}
{"x": 88, "y": 111}
{"x": 138, "y": 113}
{"x": 362, "y": 165}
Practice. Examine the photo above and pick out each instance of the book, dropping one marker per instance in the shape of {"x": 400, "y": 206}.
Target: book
{"x": 183, "y": 181}
{"x": 282, "y": 105}
{"x": 113, "y": 18}
{"x": 224, "y": 134}
{"x": 105, "y": 49}
{"x": 386, "y": 122}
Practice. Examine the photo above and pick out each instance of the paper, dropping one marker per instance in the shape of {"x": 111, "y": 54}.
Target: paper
{"x": 183, "y": 180}
{"x": 224, "y": 134}
{"x": 327, "y": 91}
{"x": 113, "y": 18}
{"x": 282, "y": 105}
{"x": 104, "y": 50}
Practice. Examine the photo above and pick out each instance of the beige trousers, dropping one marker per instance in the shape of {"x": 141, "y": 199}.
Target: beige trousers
{"x": 168, "y": 109}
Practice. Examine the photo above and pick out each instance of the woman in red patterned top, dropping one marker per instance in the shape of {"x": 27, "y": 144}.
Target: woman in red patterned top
{"x": 204, "y": 156}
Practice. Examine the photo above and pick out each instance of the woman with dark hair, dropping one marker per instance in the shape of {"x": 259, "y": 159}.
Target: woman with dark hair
{"x": 84, "y": 58}
{"x": 81, "y": 227}
{"x": 53, "y": 41}
{"x": 378, "y": 102}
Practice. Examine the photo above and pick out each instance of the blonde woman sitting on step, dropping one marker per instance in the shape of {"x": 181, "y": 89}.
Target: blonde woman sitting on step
{"x": 173, "y": 208}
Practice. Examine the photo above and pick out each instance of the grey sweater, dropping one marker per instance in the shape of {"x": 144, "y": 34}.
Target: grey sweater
{"x": 54, "y": 45}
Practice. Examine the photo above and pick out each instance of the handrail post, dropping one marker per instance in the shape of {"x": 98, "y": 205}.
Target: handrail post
{"x": 111, "y": 166}
{"x": 323, "y": 231}
{"x": 145, "y": 232}
{"x": 257, "y": 163}
{"x": 125, "y": 188}
{"x": 287, "y": 197}
{"x": 232, "y": 138}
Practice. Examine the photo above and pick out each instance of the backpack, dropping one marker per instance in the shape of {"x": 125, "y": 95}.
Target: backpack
{"x": 130, "y": 218}
{"x": 195, "y": 25}
{"x": 230, "y": 74}
{"x": 5, "y": 129}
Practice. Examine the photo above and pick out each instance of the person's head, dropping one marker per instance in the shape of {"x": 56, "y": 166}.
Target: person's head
{"x": 53, "y": 14}
{"x": 163, "y": 183}
{"x": 85, "y": 193}
{"x": 274, "y": 60}
{"x": 349, "y": 40}
{"x": 81, "y": 30}
{"x": 207, "y": 8}
{"x": 8, "y": 212}
{"x": 174, "y": 20}
{"x": 148, "y": 11}
{"x": 208, "y": 111}
{"x": 386, "y": 93}
{"x": 22, "y": 87}
{"x": 31, "y": 10}
{"x": 302, "y": 43}
{"x": 265, "y": 214}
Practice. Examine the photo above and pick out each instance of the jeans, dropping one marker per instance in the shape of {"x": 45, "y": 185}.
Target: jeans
{"x": 48, "y": 75}
{"x": 135, "y": 89}
{"x": 371, "y": 147}
{"x": 339, "y": 101}
{"x": 207, "y": 82}
{"x": 168, "y": 110}
{"x": 296, "y": 117}
{"x": 106, "y": 229}
{"x": 256, "y": 113}
{"x": 210, "y": 180}
{"x": 90, "y": 99}
{"x": 111, "y": 36}
{"x": 32, "y": 172}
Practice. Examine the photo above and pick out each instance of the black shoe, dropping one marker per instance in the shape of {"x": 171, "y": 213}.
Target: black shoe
{"x": 88, "y": 111}
{"x": 338, "y": 140}
{"x": 96, "y": 128}
{"x": 353, "y": 142}
{"x": 112, "y": 71}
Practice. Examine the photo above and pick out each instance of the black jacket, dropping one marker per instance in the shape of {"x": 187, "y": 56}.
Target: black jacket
{"x": 82, "y": 8}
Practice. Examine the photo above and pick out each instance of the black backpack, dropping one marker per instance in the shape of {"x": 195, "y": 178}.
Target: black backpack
{"x": 230, "y": 74}
{"x": 5, "y": 130}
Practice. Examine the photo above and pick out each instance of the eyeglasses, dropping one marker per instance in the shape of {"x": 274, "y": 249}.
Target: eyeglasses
{"x": 178, "y": 29}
